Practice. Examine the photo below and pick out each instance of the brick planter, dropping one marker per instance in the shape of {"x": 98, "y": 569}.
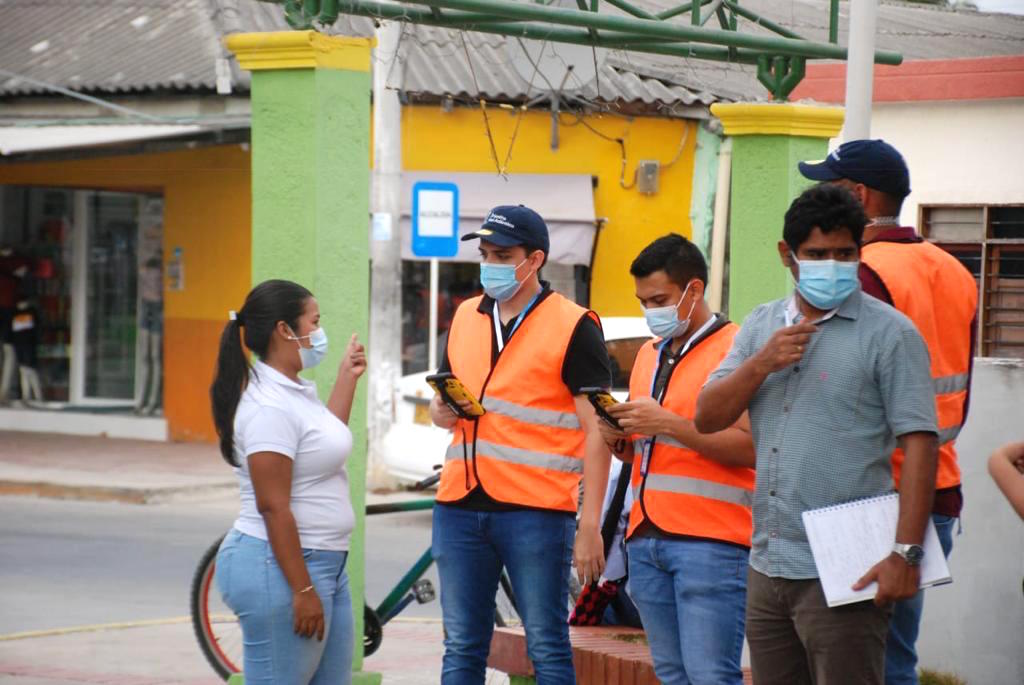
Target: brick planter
{"x": 603, "y": 655}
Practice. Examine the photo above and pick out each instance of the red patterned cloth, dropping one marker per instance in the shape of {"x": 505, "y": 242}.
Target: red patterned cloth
{"x": 591, "y": 603}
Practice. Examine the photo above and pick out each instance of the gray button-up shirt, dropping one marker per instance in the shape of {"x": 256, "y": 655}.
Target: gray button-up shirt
{"x": 825, "y": 428}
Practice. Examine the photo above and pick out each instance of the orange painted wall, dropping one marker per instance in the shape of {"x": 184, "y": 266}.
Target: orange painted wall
{"x": 207, "y": 213}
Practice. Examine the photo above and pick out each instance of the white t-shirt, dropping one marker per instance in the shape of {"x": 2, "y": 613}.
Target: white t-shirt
{"x": 276, "y": 414}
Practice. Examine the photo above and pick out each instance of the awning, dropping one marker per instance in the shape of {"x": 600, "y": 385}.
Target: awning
{"x": 20, "y": 139}
{"x": 566, "y": 201}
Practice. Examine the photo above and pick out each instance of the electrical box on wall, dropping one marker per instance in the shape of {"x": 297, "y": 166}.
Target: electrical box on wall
{"x": 647, "y": 171}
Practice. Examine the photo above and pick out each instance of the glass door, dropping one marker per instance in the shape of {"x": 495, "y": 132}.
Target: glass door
{"x": 106, "y": 312}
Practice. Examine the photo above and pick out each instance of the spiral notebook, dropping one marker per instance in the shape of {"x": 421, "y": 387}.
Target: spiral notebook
{"x": 848, "y": 539}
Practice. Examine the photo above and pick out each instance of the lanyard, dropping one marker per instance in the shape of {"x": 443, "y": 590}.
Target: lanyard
{"x": 519, "y": 319}
{"x": 697, "y": 335}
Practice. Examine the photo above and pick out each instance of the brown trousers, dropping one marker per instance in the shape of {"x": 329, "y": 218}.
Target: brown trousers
{"x": 796, "y": 639}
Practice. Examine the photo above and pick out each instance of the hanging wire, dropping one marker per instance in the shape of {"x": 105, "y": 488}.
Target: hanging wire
{"x": 483, "y": 106}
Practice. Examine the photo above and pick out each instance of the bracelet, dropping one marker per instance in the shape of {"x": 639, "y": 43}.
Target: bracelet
{"x": 304, "y": 590}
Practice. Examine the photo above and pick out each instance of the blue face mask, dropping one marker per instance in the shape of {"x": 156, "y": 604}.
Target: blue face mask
{"x": 499, "y": 280}
{"x": 826, "y": 283}
{"x": 664, "y": 322}
{"x": 311, "y": 356}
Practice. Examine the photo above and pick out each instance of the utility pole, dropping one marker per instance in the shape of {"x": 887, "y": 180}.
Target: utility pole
{"x": 860, "y": 69}
{"x": 385, "y": 344}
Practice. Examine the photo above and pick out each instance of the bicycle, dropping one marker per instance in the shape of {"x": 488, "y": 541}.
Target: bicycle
{"x": 220, "y": 636}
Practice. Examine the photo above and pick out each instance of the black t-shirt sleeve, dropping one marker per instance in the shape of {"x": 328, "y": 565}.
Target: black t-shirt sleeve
{"x": 586, "y": 363}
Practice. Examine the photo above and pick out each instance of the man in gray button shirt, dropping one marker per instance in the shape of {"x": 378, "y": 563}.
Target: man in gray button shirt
{"x": 833, "y": 380}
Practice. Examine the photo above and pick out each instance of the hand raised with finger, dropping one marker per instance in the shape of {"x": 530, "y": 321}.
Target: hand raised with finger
{"x": 785, "y": 347}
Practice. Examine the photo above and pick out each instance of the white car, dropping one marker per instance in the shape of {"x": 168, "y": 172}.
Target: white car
{"x": 414, "y": 446}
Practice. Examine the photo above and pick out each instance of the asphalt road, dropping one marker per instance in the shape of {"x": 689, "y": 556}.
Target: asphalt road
{"x": 71, "y": 563}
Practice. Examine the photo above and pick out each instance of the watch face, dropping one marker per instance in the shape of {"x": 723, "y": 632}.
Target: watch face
{"x": 915, "y": 554}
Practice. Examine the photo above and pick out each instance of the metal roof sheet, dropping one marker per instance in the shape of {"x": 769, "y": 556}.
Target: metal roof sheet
{"x": 121, "y": 46}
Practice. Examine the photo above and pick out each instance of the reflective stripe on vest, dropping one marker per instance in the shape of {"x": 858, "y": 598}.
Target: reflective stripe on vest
{"x": 541, "y": 417}
{"x": 529, "y": 443}
{"x": 681, "y": 492}
{"x": 940, "y": 296}
{"x": 517, "y": 455}
{"x": 695, "y": 486}
{"x": 945, "y": 385}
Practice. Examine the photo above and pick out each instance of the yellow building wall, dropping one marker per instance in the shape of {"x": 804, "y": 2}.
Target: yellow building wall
{"x": 207, "y": 213}
{"x": 434, "y": 140}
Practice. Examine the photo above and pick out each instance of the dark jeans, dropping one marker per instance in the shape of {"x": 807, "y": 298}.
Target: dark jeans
{"x": 470, "y": 548}
{"x": 796, "y": 639}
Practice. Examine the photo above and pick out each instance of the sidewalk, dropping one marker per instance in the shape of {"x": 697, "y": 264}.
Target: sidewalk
{"x": 119, "y": 470}
{"x": 132, "y": 471}
{"x": 165, "y": 653}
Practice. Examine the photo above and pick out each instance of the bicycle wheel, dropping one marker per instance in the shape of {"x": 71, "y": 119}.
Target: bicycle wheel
{"x": 215, "y": 625}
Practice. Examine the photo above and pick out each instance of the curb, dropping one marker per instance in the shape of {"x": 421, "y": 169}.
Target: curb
{"x": 101, "y": 493}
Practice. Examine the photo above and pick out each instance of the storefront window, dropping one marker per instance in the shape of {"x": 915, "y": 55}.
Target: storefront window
{"x": 35, "y": 292}
{"x": 81, "y": 288}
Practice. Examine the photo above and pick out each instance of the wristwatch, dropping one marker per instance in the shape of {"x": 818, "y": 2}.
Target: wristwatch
{"x": 912, "y": 554}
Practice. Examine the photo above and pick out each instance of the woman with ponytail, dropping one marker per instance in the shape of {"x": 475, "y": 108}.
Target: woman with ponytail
{"x": 281, "y": 568}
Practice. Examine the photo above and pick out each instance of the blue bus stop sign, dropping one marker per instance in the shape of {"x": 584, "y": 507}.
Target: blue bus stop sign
{"x": 435, "y": 219}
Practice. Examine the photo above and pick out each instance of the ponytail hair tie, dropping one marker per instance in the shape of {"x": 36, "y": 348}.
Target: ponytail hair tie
{"x": 235, "y": 316}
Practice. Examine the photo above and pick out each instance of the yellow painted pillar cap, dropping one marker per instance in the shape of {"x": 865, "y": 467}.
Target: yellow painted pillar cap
{"x": 300, "y": 50}
{"x": 778, "y": 118}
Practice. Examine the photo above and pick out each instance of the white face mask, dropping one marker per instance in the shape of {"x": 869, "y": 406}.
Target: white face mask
{"x": 665, "y": 323}
{"x": 311, "y": 356}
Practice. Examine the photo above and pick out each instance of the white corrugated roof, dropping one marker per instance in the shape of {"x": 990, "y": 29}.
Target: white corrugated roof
{"x": 20, "y": 139}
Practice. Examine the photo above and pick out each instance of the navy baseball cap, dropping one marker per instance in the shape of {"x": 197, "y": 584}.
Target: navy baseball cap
{"x": 874, "y": 163}
{"x": 511, "y": 225}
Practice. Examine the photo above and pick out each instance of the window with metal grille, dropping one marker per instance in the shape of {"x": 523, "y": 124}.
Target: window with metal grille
{"x": 989, "y": 241}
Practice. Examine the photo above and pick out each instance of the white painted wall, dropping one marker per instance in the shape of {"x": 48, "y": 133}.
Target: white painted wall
{"x": 975, "y": 626}
{"x": 958, "y": 152}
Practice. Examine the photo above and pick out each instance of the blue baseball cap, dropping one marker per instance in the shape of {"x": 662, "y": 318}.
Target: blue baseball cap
{"x": 874, "y": 163}
{"x": 511, "y": 225}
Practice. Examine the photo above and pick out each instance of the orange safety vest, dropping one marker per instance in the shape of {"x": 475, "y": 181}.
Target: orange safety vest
{"x": 940, "y": 296}
{"x": 676, "y": 489}
{"x": 527, "y": 449}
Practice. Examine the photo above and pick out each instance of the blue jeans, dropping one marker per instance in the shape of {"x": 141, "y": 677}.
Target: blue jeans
{"x": 900, "y": 650}
{"x": 535, "y": 547}
{"x": 253, "y": 586}
{"x": 692, "y": 597}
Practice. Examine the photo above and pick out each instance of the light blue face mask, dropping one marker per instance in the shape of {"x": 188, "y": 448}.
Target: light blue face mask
{"x": 826, "y": 283}
{"x": 664, "y": 321}
{"x": 311, "y": 356}
{"x": 499, "y": 280}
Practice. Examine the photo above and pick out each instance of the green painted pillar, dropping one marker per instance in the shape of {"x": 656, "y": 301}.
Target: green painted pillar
{"x": 768, "y": 141}
{"x": 310, "y": 190}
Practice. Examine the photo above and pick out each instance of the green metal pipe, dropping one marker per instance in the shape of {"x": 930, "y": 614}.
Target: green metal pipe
{"x": 395, "y": 507}
{"x": 681, "y": 9}
{"x": 632, "y": 9}
{"x": 715, "y": 6}
{"x": 656, "y": 29}
{"x": 614, "y": 39}
{"x": 695, "y": 13}
{"x": 833, "y": 22}
{"x": 761, "y": 21}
